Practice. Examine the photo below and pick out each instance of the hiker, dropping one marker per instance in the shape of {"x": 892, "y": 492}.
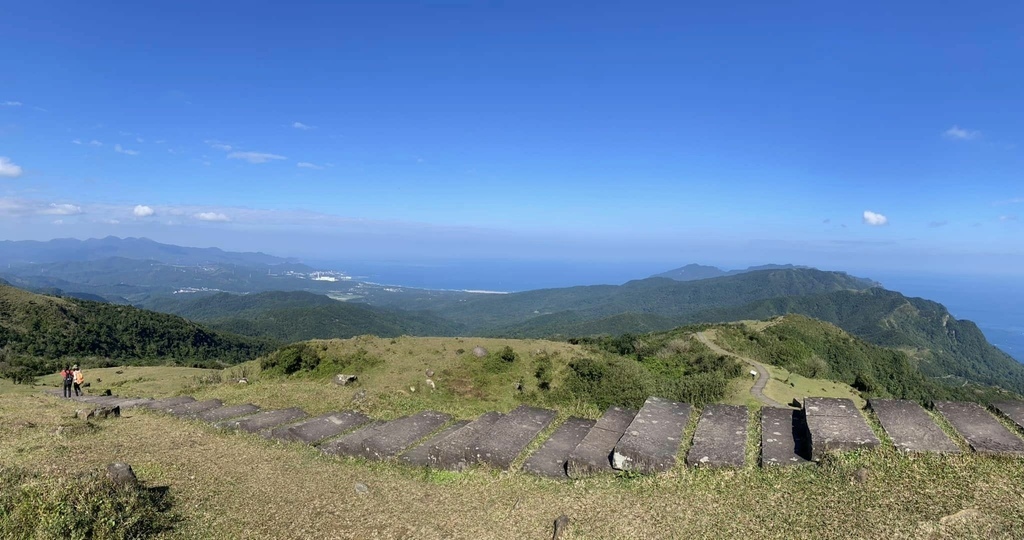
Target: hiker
{"x": 68, "y": 377}
{"x": 78, "y": 378}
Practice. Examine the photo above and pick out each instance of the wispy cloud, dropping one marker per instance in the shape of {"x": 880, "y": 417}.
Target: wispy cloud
{"x": 139, "y": 140}
{"x": 12, "y": 104}
{"x": 217, "y": 145}
{"x": 211, "y": 216}
{"x": 76, "y": 141}
{"x": 121, "y": 150}
{"x": 255, "y": 157}
{"x": 8, "y": 169}
{"x": 957, "y": 133}
{"x": 1011, "y": 217}
{"x": 56, "y": 209}
{"x": 307, "y": 165}
{"x": 1015, "y": 200}
{"x": 826, "y": 221}
{"x": 94, "y": 142}
{"x": 300, "y": 125}
{"x": 937, "y": 224}
{"x": 142, "y": 210}
{"x": 874, "y": 219}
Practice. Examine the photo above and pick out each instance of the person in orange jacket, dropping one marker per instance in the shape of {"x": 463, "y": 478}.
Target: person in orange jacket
{"x": 78, "y": 378}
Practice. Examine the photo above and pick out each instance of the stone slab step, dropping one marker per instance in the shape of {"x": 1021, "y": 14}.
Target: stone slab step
{"x": 1014, "y": 410}
{"x": 652, "y": 440}
{"x": 451, "y": 452}
{"x": 783, "y": 437}
{"x": 910, "y": 427}
{"x": 500, "y": 445}
{"x": 395, "y": 436}
{"x": 594, "y": 453}
{"x": 227, "y": 412}
{"x": 835, "y": 424}
{"x": 135, "y": 402}
{"x": 419, "y": 455}
{"x": 981, "y": 430}
{"x": 322, "y": 427}
{"x": 721, "y": 437}
{"x": 160, "y": 404}
{"x": 265, "y": 420}
{"x": 191, "y": 410}
{"x": 352, "y": 443}
{"x": 550, "y": 459}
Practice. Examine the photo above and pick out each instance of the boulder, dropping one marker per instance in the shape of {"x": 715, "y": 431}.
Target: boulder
{"x": 98, "y": 412}
{"x": 121, "y": 474}
{"x": 479, "y": 352}
{"x": 342, "y": 379}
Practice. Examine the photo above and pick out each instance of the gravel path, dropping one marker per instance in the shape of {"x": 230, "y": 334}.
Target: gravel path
{"x": 762, "y": 372}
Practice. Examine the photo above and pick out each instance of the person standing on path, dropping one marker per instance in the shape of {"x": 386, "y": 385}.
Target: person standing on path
{"x": 68, "y": 377}
{"x": 78, "y": 378}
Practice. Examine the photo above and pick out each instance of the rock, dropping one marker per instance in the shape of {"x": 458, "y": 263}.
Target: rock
{"x": 362, "y": 488}
{"x": 430, "y": 383}
{"x": 99, "y": 412}
{"x": 430, "y": 373}
{"x": 122, "y": 474}
{"x": 479, "y": 352}
{"x": 412, "y": 389}
{"x": 967, "y": 514}
{"x": 99, "y": 379}
{"x": 105, "y": 392}
{"x": 861, "y": 475}
{"x": 560, "y": 525}
{"x": 243, "y": 380}
{"x": 342, "y": 379}
{"x": 119, "y": 372}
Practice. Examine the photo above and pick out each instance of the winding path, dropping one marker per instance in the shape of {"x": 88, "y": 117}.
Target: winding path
{"x": 762, "y": 372}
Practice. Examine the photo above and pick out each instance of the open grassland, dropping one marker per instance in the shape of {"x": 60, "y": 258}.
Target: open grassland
{"x": 227, "y": 485}
{"x": 784, "y": 387}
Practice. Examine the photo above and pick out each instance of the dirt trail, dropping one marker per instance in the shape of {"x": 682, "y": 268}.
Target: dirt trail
{"x": 762, "y": 372}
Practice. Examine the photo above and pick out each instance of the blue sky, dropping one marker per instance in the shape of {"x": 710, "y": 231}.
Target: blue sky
{"x": 728, "y": 134}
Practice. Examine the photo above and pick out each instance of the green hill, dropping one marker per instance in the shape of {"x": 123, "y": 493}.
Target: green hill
{"x": 297, "y": 315}
{"x": 39, "y": 332}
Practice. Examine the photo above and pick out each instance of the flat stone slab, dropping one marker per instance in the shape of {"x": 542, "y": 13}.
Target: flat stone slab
{"x": 397, "y": 435}
{"x": 451, "y": 453}
{"x": 981, "y": 430}
{"x": 265, "y": 420}
{"x": 352, "y": 444}
{"x": 136, "y": 402}
{"x": 1014, "y": 410}
{"x": 550, "y": 459}
{"x": 322, "y": 427}
{"x": 227, "y": 412}
{"x": 835, "y": 425}
{"x": 419, "y": 455}
{"x": 910, "y": 427}
{"x": 721, "y": 437}
{"x": 190, "y": 410}
{"x": 783, "y": 437}
{"x": 652, "y": 440}
{"x": 166, "y": 403}
{"x": 509, "y": 436}
{"x": 594, "y": 453}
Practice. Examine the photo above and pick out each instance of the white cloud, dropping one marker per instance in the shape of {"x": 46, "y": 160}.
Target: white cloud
{"x": 12, "y": 104}
{"x": 300, "y": 125}
{"x": 139, "y": 140}
{"x": 76, "y": 141}
{"x": 307, "y": 165}
{"x": 110, "y": 221}
{"x": 8, "y": 169}
{"x": 56, "y": 209}
{"x": 94, "y": 142}
{"x": 873, "y": 219}
{"x": 58, "y": 222}
{"x": 211, "y": 216}
{"x": 142, "y": 210}
{"x": 959, "y": 134}
{"x": 1012, "y": 217}
{"x": 120, "y": 150}
{"x": 216, "y": 145}
{"x": 255, "y": 157}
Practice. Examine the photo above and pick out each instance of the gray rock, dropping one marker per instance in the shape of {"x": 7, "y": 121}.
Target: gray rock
{"x": 783, "y": 437}
{"x": 227, "y": 412}
{"x": 910, "y": 427}
{"x": 351, "y": 444}
{"x": 835, "y": 425}
{"x": 322, "y": 427}
{"x": 500, "y": 445}
{"x": 121, "y": 474}
{"x": 342, "y": 379}
{"x": 479, "y": 352}
{"x": 1014, "y": 410}
{"x": 362, "y": 489}
{"x": 166, "y": 403}
{"x": 561, "y": 524}
{"x": 191, "y": 410}
{"x": 430, "y": 373}
{"x": 265, "y": 420}
{"x": 652, "y": 440}
{"x": 594, "y": 453}
{"x": 98, "y": 412}
{"x": 981, "y": 430}
{"x": 397, "y": 435}
{"x": 721, "y": 437}
{"x": 450, "y": 453}
{"x": 419, "y": 455}
{"x": 550, "y": 459}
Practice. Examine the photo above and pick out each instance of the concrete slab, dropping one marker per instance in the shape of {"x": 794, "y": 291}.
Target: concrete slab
{"x": 835, "y": 425}
{"x": 419, "y": 455}
{"x": 352, "y": 444}
{"x": 651, "y": 441}
{"x": 159, "y": 404}
{"x": 397, "y": 435}
{"x": 450, "y": 453}
{"x": 190, "y": 410}
{"x": 550, "y": 459}
{"x": 509, "y": 436}
{"x": 227, "y": 412}
{"x": 910, "y": 427}
{"x": 721, "y": 437}
{"x": 783, "y": 437}
{"x": 265, "y": 420}
{"x": 981, "y": 430}
{"x": 594, "y": 453}
{"x": 136, "y": 402}
{"x": 322, "y": 427}
{"x": 1014, "y": 410}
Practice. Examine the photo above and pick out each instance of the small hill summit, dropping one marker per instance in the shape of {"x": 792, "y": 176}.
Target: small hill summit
{"x": 695, "y": 272}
